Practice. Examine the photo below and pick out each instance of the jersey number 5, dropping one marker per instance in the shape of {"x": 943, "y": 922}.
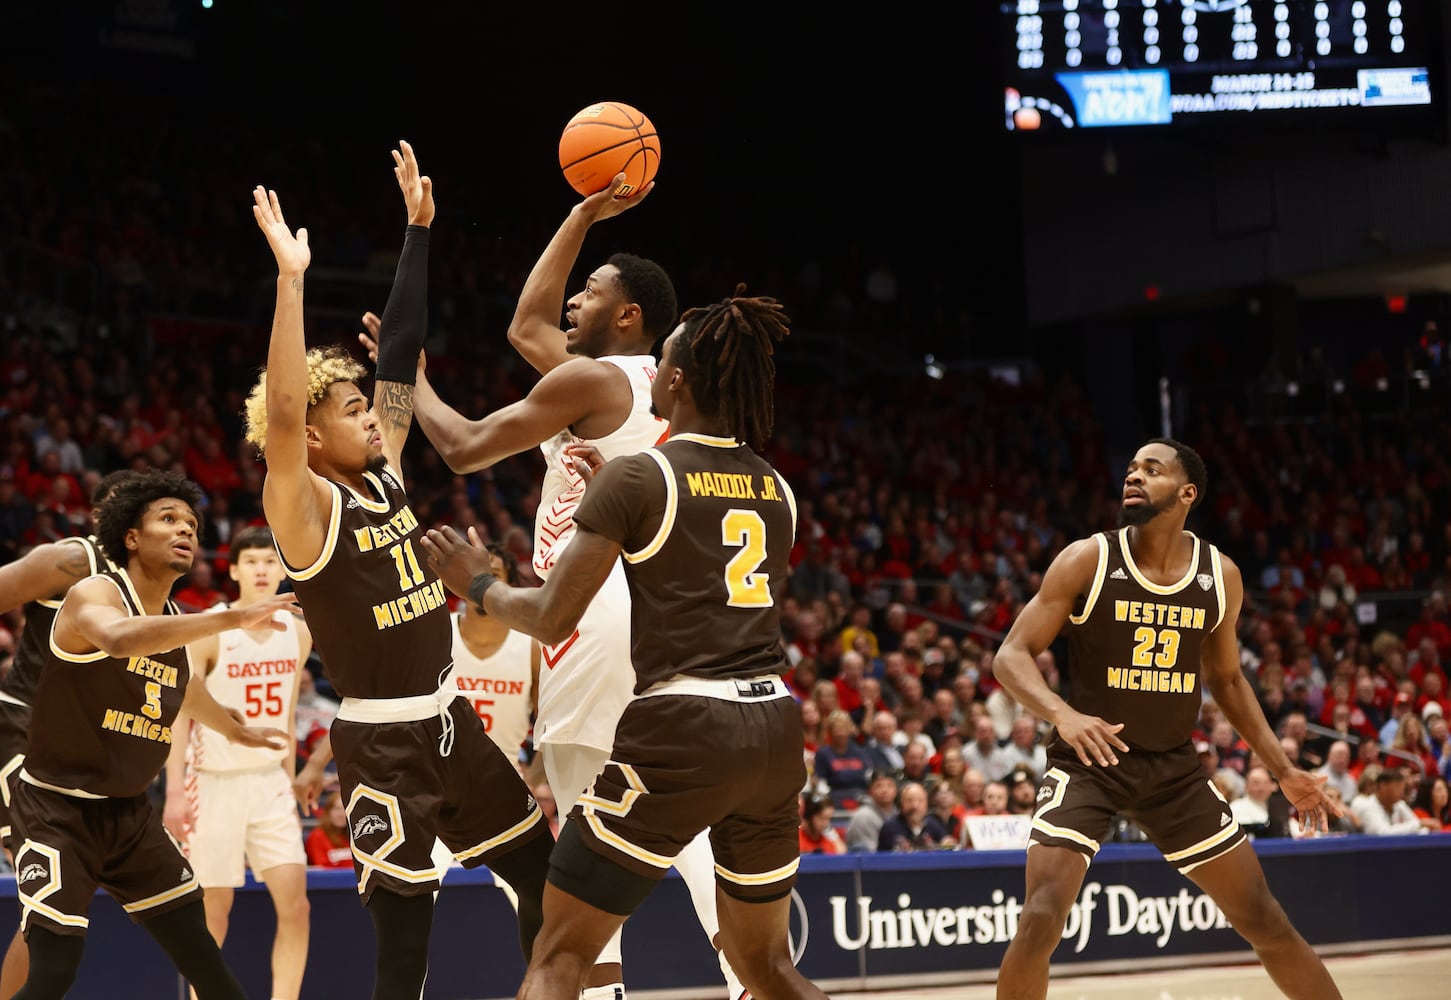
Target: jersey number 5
{"x": 744, "y": 586}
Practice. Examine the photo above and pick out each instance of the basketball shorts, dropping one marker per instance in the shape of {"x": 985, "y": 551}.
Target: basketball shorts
{"x": 244, "y": 819}
{"x": 1165, "y": 792}
{"x": 71, "y": 846}
{"x": 402, "y": 794}
{"x": 694, "y": 753}
{"x": 14, "y": 730}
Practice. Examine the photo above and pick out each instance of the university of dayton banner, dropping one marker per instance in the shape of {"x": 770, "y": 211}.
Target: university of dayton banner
{"x": 858, "y": 921}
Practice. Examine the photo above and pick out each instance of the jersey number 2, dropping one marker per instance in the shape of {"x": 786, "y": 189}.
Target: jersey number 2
{"x": 744, "y": 586}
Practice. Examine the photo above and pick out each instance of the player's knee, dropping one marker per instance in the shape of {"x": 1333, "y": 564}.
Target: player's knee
{"x": 1260, "y": 920}
{"x": 294, "y": 910}
{"x": 1044, "y": 913}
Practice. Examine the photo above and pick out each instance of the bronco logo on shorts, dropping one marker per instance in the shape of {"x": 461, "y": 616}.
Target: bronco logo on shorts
{"x": 367, "y": 825}
{"x": 33, "y": 871}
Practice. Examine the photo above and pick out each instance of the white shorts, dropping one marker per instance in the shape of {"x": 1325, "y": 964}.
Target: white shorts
{"x": 243, "y": 819}
{"x": 586, "y": 681}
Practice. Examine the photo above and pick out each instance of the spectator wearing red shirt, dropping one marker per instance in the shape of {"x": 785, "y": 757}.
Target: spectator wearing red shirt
{"x": 1431, "y": 624}
{"x": 200, "y": 592}
{"x": 211, "y": 467}
{"x": 817, "y": 835}
{"x": 1426, "y": 660}
{"x": 848, "y": 681}
{"x": 328, "y": 845}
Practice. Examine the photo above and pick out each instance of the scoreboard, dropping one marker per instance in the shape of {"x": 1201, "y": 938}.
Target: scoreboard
{"x": 1073, "y": 64}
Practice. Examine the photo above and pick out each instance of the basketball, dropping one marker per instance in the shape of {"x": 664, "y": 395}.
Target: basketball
{"x": 604, "y": 139}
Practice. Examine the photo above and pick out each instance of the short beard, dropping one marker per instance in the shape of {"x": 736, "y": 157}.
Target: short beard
{"x": 377, "y": 463}
{"x": 1137, "y": 517}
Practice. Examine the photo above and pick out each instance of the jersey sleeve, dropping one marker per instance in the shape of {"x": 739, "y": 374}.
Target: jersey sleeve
{"x": 626, "y": 501}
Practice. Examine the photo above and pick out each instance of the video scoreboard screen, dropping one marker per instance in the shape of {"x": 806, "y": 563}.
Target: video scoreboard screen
{"x": 1075, "y": 64}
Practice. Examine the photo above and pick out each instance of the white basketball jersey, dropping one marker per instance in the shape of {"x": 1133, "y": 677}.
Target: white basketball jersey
{"x": 259, "y": 679}
{"x": 497, "y": 686}
{"x": 586, "y": 681}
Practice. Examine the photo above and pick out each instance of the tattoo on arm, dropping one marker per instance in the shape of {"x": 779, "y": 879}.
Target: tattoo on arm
{"x": 395, "y": 405}
{"x": 297, "y": 285}
{"x": 74, "y": 563}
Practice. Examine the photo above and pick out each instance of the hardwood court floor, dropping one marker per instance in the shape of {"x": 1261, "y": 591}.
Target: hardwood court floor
{"x": 1396, "y": 975}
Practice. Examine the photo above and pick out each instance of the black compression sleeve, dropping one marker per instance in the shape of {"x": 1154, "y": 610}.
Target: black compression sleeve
{"x": 405, "y": 317}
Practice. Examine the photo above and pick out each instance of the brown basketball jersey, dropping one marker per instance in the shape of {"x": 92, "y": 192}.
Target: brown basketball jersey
{"x": 1135, "y": 647}
{"x": 707, "y": 528}
{"x": 34, "y": 645}
{"x": 377, "y": 610}
{"x": 102, "y": 724}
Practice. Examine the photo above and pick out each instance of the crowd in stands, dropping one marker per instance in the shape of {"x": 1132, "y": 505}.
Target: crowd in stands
{"x": 929, "y": 508}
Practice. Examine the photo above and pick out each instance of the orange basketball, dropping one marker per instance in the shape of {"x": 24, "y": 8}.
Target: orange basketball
{"x": 604, "y": 139}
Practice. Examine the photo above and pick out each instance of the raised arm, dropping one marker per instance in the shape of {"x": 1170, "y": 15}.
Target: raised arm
{"x": 1015, "y": 663}
{"x": 562, "y": 398}
{"x": 1236, "y": 699}
{"x": 95, "y": 619}
{"x": 405, "y": 318}
{"x": 44, "y": 571}
{"x": 534, "y": 331}
{"x": 296, "y": 500}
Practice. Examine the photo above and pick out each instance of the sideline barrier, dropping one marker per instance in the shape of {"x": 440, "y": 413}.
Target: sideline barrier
{"x": 868, "y": 922}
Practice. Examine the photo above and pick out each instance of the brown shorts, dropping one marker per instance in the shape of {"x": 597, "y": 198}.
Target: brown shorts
{"x": 14, "y": 731}
{"x": 70, "y": 846}
{"x": 1165, "y": 792}
{"x": 401, "y": 794}
{"x": 684, "y": 762}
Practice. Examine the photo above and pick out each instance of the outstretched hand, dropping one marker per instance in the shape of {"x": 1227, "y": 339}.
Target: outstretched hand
{"x": 369, "y": 339}
{"x": 456, "y": 561}
{"x": 417, "y": 189}
{"x": 261, "y": 737}
{"x": 606, "y": 203}
{"x": 259, "y": 615}
{"x": 292, "y": 252}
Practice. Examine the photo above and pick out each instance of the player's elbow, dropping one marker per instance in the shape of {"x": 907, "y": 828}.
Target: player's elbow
{"x": 556, "y": 628}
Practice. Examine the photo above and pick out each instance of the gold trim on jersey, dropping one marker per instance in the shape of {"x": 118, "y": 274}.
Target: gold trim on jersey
{"x": 99, "y": 654}
{"x": 709, "y": 440}
{"x": 1098, "y": 575}
{"x": 1218, "y": 584}
{"x": 763, "y": 878}
{"x": 88, "y": 545}
{"x": 1145, "y": 582}
{"x": 672, "y": 503}
{"x": 376, "y": 506}
{"x": 335, "y": 520}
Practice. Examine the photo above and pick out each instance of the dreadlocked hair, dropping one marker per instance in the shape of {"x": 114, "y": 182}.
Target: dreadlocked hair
{"x": 730, "y": 364}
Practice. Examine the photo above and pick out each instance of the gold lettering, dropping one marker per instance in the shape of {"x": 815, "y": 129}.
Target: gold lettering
{"x": 1121, "y": 611}
{"x": 1173, "y": 616}
{"x": 364, "y": 537}
{"x": 768, "y": 488}
{"x": 1134, "y": 679}
{"x": 383, "y": 616}
{"x": 1198, "y": 617}
{"x": 1189, "y": 680}
{"x": 112, "y": 719}
{"x": 1115, "y": 677}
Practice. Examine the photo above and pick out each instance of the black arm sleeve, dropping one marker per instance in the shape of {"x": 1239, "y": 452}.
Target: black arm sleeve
{"x": 405, "y": 317}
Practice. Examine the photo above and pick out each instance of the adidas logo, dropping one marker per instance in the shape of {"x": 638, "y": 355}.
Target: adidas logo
{"x": 353, "y": 503}
{"x": 1118, "y": 574}
{"x": 185, "y": 873}
{"x": 1223, "y": 820}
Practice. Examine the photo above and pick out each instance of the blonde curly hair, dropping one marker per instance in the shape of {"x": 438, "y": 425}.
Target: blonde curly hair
{"x": 326, "y": 366}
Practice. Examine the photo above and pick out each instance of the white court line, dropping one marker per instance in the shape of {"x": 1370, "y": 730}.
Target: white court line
{"x": 1399, "y": 975}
